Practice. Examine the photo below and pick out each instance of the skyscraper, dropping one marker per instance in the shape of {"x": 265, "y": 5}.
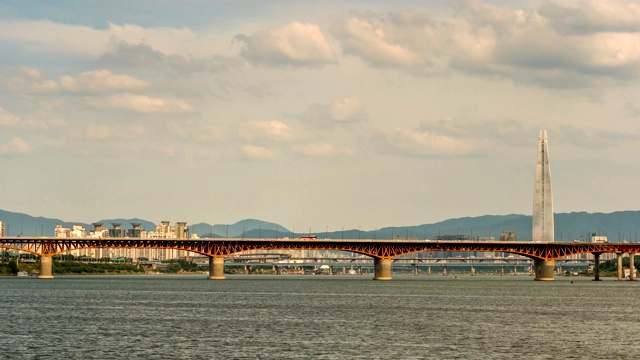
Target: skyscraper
{"x": 543, "y": 229}
{"x": 543, "y": 208}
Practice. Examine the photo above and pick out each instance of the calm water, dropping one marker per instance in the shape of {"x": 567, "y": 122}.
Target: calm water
{"x": 317, "y": 317}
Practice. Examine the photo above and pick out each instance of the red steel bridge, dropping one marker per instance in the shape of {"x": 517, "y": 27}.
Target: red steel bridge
{"x": 382, "y": 251}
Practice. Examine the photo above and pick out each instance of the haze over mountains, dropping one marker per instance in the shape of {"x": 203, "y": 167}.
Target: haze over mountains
{"x": 620, "y": 225}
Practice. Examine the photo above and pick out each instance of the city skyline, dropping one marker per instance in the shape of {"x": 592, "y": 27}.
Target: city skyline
{"x": 354, "y": 114}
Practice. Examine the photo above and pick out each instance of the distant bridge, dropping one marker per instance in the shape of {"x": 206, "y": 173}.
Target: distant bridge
{"x": 544, "y": 254}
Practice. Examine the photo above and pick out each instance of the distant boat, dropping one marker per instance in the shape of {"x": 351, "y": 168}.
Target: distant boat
{"x": 22, "y": 273}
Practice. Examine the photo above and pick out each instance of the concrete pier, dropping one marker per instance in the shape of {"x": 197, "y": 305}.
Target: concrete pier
{"x": 596, "y": 267}
{"x": 632, "y": 267}
{"x": 216, "y": 268}
{"x": 619, "y": 266}
{"x": 444, "y": 271}
{"x": 359, "y": 270}
{"x": 429, "y": 270}
{"x": 382, "y": 269}
{"x": 46, "y": 268}
{"x": 245, "y": 270}
{"x": 473, "y": 271}
{"x": 544, "y": 269}
{"x": 416, "y": 272}
{"x": 502, "y": 270}
{"x": 559, "y": 271}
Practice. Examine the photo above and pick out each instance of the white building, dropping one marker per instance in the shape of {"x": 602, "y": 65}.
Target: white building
{"x": 1, "y": 228}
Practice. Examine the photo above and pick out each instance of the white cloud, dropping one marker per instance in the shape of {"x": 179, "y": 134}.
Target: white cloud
{"x": 15, "y": 146}
{"x": 374, "y": 45}
{"x": 258, "y": 152}
{"x": 102, "y": 131}
{"x": 419, "y": 143}
{"x": 347, "y": 109}
{"x": 30, "y": 81}
{"x": 274, "y": 130}
{"x": 49, "y": 36}
{"x": 320, "y": 149}
{"x": 196, "y": 130}
{"x": 294, "y": 44}
{"x": 344, "y": 110}
{"x": 551, "y": 45}
{"x": 8, "y": 119}
{"x": 101, "y": 81}
{"x": 142, "y": 104}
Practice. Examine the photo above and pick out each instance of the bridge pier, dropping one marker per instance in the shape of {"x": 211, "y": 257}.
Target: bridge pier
{"x": 502, "y": 270}
{"x": 359, "y": 270}
{"x": 382, "y": 269}
{"x": 46, "y": 267}
{"x": 632, "y": 266}
{"x": 473, "y": 271}
{"x": 428, "y": 270}
{"x": 619, "y": 256}
{"x": 416, "y": 272}
{"x": 544, "y": 269}
{"x": 216, "y": 268}
{"x": 245, "y": 270}
{"x": 444, "y": 270}
{"x": 596, "y": 267}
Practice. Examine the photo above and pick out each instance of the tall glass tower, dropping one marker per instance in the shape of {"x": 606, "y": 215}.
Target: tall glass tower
{"x": 543, "y": 229}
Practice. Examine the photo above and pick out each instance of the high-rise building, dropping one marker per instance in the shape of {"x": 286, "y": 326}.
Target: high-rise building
{"x": 1, "y": 228}
{"x": 543, "y": 229}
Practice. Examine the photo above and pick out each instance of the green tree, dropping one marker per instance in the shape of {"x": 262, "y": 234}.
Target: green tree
{"x": 13, "y": 266}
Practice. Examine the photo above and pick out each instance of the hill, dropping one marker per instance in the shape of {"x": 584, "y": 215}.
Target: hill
{"x": 620, "y": 225}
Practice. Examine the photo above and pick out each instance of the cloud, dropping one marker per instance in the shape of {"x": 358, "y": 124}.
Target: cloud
{"x": 274, "y": 131}
{"x": 141, "y": 104}
{"x": 300, "y": 44}
{"x": 593, "y": 16}
{"x": 196, "y": 130}
{"x": 257, "y": 152}
{"x": 102, "y": 131}
{"x": 418, "y": 143}
{"x": 8, "y": 119}
{"x": 374, "y": 45}
{"x": 341, "y": 111}
{"x": 320, "y": 149}
{"x": 143, "y": 56}
{"x": 15, "y": 146}
{"x": 551, "y": 45}
{"x": 592, "y": 138}
{"x": 30, "y": 81}
{"x": 101, "y": 81}
{"x": 49, "y": 36}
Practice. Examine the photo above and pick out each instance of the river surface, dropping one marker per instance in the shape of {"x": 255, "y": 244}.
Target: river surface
{"x": 318, "y": 317}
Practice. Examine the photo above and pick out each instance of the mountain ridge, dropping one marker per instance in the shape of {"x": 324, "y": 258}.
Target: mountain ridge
{"x": 618, "y": 225}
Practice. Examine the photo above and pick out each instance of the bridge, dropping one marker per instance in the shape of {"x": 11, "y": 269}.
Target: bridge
{"x": 383, "y": 252}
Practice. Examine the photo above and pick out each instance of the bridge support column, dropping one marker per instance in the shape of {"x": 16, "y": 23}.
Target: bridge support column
{"x": 245, "y": 271}
{"x": 544, "y": 269}
{"x": 46, "y": 268}
{"x": 382, "y": 269}
{"x": 502, "y": 271}
{"x": 359, "y": 270}
{"x": 559, "y": 271}
{"x": 216, "y": 268}
{"x": 473, "y": 271}
{"x": 444, "y": 270}
{"x": 632, "y": 267}
{"x": 429, "y": 270}
{"x": 596, "y": 267}
{"x": 416, "y": 272}
{"x": 619, "y": 255}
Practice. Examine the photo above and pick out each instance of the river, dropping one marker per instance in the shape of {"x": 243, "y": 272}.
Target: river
{"x": 318, "y": 317}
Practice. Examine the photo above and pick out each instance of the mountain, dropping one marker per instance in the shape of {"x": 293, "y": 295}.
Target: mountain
{"x": 620, "y": 225}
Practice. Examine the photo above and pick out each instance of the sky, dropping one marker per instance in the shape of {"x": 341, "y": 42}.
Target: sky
{"x": 316, "y": 115}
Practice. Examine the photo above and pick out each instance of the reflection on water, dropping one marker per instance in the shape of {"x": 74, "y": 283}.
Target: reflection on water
{"x": 317, "y": 317}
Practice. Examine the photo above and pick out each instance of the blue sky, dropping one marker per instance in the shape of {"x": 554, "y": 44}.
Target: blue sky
{"x": 314, "y": 114}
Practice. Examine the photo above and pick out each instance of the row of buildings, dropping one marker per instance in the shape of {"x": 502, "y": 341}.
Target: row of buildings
{"x": 163, "y": 231}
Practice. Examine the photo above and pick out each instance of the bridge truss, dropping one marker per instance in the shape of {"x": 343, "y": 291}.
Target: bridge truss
{"x": 380, "y": 249}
